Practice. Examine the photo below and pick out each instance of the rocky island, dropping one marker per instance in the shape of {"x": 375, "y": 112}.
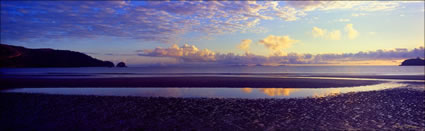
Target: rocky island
{"x": 121, "y": 64}
{"x": 413, "y": 62}
{"x": 16, "y": 56}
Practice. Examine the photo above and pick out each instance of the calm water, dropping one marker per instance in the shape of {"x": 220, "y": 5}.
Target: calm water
{"x": 250, "y": 93}
{"x": 224, "y": 70}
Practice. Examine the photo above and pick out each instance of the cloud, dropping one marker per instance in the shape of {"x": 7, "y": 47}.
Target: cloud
{"x": 288, "y": 13}
{"x": 191, "y": 54}
{"x": 185, "y": 53}
{"x": 318, "y": 32}
{"x": 358, "y": 14}
{"x": 343, "y": 20}
{"x": 277, "y": 43}
{"x": 160, "y": 21}
{"x": 354, "y": 5}
{"x": 333, "y": 35}
{"x": 352, "y": 33}
{"x": 379, "y": 6}
{"x": 244, "y": 45}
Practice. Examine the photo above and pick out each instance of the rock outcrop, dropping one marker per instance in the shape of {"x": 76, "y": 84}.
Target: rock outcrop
{"x": 16, "y": 56}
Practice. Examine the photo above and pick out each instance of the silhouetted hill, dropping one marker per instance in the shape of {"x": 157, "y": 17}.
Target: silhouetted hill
{"x": 413, "y": 62}
{"x": 16, "y": 56}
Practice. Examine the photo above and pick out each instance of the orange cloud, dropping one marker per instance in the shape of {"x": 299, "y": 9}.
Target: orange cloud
{"x": 186, "y": 52}
{"x": 277, "y": 43}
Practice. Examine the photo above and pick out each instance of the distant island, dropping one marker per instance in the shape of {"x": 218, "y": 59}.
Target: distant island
{"x": 121, "y": 64}
{"x": 413, "y": 62}
{"x": 16, "y": 56}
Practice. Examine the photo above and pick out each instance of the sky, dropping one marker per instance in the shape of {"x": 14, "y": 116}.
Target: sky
{"x": 221, "y": 32}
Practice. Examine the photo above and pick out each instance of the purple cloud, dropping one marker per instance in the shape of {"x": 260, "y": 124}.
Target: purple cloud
{"x": 190, "y": 53}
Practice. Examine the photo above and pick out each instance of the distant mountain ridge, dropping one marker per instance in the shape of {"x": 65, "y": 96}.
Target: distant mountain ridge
{"x": 413, "y": 62}
{"x": 16, "y": 56}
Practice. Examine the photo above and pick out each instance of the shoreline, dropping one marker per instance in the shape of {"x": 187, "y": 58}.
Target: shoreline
{"x": 188, "y": 81}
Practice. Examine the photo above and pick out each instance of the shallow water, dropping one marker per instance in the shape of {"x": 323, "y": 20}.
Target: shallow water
{"x": 250, "y": 93}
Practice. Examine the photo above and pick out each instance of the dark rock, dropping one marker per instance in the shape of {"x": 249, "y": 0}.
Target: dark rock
{"x": 121, "y": 64}
{"x": 16, "y": 56}
{"x": 413, "y": 62}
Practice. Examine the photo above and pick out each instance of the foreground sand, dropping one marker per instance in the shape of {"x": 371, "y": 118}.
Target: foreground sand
{"x": 400, "y": 108}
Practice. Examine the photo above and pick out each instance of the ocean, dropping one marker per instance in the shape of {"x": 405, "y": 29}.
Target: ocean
{"x": 221, "y": 70}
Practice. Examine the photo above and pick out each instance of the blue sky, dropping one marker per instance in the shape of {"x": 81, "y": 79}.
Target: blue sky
{"x": 284, "y": 32}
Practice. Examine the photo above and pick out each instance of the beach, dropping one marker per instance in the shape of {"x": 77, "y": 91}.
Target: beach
{"x": 398, "y": 108}
{"x": 383, "y": 110}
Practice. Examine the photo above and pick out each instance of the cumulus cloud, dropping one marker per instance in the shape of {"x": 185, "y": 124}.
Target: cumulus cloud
{"x": 190, "y": 54}
{"x": 332, "y": 35}
{"x": 277, "y": 43}
{"x": 318, "y": 32}
{"x": 335, "y": 34}
{"x": 185, "y": 53}
{"x": 245, "y": 44}
{"x": 352, "y": 33}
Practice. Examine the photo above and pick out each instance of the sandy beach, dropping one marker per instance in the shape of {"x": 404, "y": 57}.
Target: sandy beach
{"x": 391, "y": 109}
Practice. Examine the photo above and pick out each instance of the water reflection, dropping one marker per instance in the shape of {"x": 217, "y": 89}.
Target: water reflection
{"x": 277, "y": 91}
{"x": 247, "y": 90}
{"x": 209, "y": 92}
{"x": 271, "y": 91}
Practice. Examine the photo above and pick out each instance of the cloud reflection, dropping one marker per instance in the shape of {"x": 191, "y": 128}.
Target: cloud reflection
{"x": 247, "y": 90}
{"x": 272, "y": 91}
{"x": 277, "y": 91}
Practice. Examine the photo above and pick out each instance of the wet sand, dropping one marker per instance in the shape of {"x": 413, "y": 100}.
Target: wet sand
{"x": 396, "y": 77}
{"x": 400, "y": 108}
{"x": 190, "y": 81}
